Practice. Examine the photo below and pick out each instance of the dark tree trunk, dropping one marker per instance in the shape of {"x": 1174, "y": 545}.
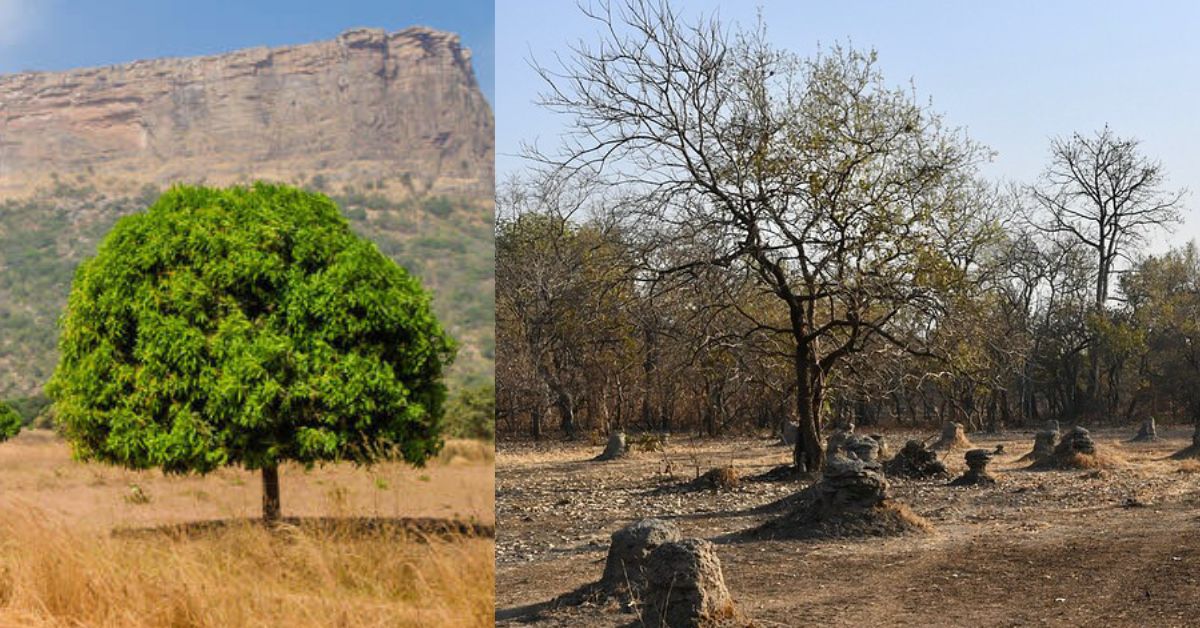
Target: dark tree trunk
{"x": 270, "y": 480}
{"x": 566, "y": 413}
{"x": 808, "y": 454}
{"x": 535, "y": 424}
{"x": 993, "y": 414}
{"x": 649, "y": 376}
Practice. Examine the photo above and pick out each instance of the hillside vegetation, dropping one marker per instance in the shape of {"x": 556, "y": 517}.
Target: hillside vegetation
{"x": 447, "y": 242}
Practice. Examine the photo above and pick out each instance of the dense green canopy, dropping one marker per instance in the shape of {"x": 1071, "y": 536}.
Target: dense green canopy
{"x": 247, "y": 326}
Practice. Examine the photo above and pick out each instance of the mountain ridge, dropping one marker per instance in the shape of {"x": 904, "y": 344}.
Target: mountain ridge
{"x": 392, "y": 126}
{"x": 366, "y": 106}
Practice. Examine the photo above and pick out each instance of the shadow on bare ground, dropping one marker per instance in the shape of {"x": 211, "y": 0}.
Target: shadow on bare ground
{"x": 345, "y": 527}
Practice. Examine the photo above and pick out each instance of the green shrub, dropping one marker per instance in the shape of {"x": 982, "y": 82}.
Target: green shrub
{"x": 471, "y": 413}
{"x": 30, "y": 408}
{"x": 10, "y": 422}
{"x": 247, "y": 326}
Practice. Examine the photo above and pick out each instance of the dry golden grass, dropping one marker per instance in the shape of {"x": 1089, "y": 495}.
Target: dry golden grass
{"x": 1189, "y": 466}
{"x": 61, "y": 565}
{"x": 36, "y": 467}
{"x": 54, "y": 575}
{"x": 1104, "y": 458}
{"x": 952, "y": 440}
{"x": 467, "y": 452}
{"x": 721, "y": 478}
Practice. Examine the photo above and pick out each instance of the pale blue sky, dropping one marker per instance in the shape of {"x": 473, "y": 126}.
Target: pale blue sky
{"x": 1013, "y": 73}
{"x": 62, "y": 34}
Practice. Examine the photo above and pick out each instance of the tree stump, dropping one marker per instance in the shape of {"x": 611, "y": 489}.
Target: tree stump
{"x": 625, "y": 565}
{"x": 863, "y": 448}
{"x": 1044, "y": 443}
{"x": 837, "y": 438}
{"x": 952, "y": 437}
{"x": 685, "y": 587}
{"x": 977, "y": 473}
{"x": 883, "y": 448}
{"x": 616, "y": 447}
{"x": 1077, "y": 441}
{"x": 1077, "y": 450}
{"x": 1147, "y": 432}
{"x": 850, "y": 500}
{"x": 719, "y": 479}
{"x": 851, "y": 484}
{"x": 915, "y": 461}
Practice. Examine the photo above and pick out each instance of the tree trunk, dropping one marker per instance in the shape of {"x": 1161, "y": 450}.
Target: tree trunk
{"x": 566, "y": 413}
{"x": 808, "y": 454}
{"x": 535, "y": 424}
{"x": 649, "y": 378}
{"x": 270, "y": 480}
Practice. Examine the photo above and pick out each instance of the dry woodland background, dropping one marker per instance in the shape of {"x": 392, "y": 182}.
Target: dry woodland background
{"x": 735, "y": 242}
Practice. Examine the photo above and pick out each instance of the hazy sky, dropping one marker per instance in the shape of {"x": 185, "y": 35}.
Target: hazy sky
{"x": 61, "y": 34}
{"x": 1013, "y": 73}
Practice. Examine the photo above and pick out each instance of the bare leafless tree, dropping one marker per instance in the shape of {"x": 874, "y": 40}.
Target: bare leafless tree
{"x": 557, "y": 286}
{"x": 1101, "y": 191}
{"x": 834, "y": 192}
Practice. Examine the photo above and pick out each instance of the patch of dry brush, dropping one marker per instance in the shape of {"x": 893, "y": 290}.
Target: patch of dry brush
{"x": 1072, "y": 461}
{"x": 888, "y": 518}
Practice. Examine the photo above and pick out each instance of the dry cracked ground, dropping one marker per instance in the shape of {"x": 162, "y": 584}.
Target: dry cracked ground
{"x": 1112, "y": 547}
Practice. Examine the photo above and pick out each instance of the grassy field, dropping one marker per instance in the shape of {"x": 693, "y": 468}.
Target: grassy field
{"x": 82, "y": 544}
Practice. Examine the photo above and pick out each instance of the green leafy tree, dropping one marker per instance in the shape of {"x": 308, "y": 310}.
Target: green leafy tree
{"x": 247, "y": 326}
{"x": 1163, "y": 296}
{"x": 10, "y": 422}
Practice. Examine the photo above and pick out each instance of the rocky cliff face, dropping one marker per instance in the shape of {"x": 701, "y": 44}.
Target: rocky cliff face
{"x": 402, "y": 109}
{"x": 392, "y": 126}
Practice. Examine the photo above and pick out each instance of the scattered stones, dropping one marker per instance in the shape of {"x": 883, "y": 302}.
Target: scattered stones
{"x": 851, "y": 484}
{"x": 838, "y": 435}
{"x": 1044, "y": 443}
{"x": 1147, "y": 433}
{"x": 1077, "y": 441}
{"x": 952, "y": 437}
{"x": 915, "y": 461}
{"x": 883, "y": 448}
{"x": 616, "y": 447}
{"x": 685, "y": 587}
{"x": 851, "y": 499}
{"x": 863, "y": 448}
{"x": 649, "y": 442}
{"x": 977, "y": 473}
{"x": 1077, "y": 450}
{"x": 720, "y": 479}
{"x": 625, "y": 565}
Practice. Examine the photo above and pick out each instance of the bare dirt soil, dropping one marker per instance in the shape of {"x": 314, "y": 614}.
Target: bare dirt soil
{"x": 1112, "y": 547}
